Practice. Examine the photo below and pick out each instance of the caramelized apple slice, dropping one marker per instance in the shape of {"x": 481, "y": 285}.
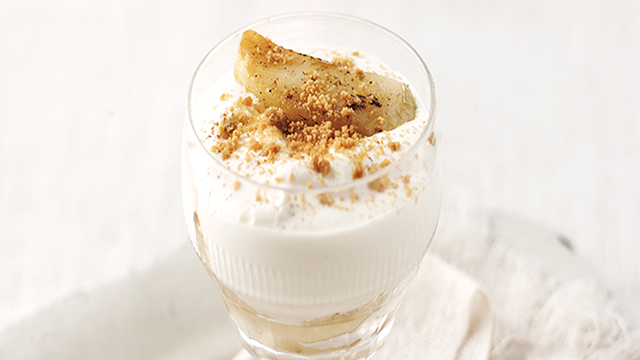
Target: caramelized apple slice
{"x": 315, "y": 91}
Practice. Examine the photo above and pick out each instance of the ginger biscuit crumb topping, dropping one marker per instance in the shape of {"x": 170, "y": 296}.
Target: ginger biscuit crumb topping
{"x": 321, "y": 165}
{"x": 409, "y": 190}
{"x": 394, "y": 146}
{"x": 432, "y": 139}
{"x": 345, "y": 61}
{"x": 326, "y": 199}
{"x": 382, "y": 184}
{"x": 307, "y": 109}
{"x": 353, "y": 196}
{"x": 267, "y": 131}
{"x": 358, "y": 170}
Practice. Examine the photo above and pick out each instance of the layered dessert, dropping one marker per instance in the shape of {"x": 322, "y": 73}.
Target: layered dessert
{"x": 312, "y": 191}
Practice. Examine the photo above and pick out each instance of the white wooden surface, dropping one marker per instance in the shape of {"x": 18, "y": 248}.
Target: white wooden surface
{"x": 538, "y": 102}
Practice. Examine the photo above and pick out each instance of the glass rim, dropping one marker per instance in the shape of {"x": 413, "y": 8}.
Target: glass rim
{"x": 350, "y": 183}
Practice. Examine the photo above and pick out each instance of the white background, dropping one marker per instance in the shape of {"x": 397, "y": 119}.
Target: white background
{"x": 538, "y": 103}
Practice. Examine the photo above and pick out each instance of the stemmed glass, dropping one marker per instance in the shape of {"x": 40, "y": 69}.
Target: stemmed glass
{"x": 320, "y": 282}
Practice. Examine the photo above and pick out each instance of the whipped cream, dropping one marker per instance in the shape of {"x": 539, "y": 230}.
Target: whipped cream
{"x": 298, "y": 246}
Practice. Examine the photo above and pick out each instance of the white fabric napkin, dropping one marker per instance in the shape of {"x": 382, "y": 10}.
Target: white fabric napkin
{"x": 496, "y": 287}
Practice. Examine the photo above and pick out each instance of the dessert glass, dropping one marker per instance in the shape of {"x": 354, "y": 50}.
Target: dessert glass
{"x": 313, "y": 273}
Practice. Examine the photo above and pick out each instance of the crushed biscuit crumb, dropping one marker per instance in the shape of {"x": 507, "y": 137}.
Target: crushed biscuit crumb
{"x": 358, "y": 171}
{"x": 408, "y": 190}
{"x": 394, "y": 146}
{"x": 345, "y": 61}
{"x": 432, "y": 139}
{"x": 321, "y": 165}
{"x": 381, "y": 184}
{"x": 326, "y": 199}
